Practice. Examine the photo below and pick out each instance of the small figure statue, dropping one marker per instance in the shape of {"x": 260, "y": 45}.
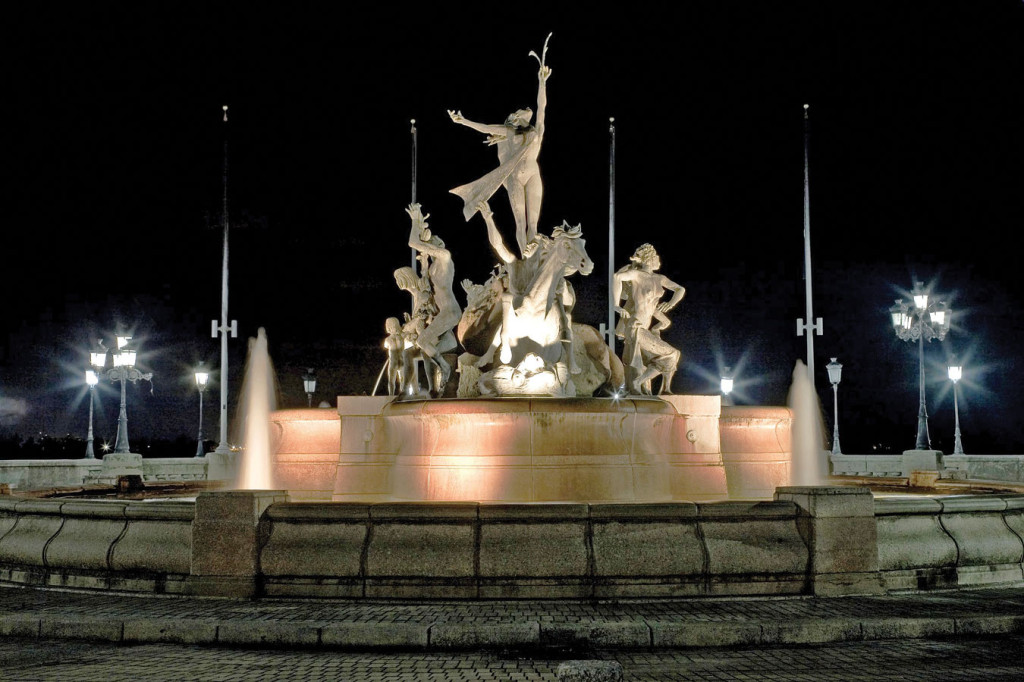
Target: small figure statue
{"x": 394, "y": 344}
{"x": 518, "y": 144}
{"x": 436, "y": 337}
{"x": 645, "y": 354}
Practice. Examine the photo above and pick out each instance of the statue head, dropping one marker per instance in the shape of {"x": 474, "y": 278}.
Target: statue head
{"x": 520, "y": 118}
{"x": 645, "y": 255}
{"x": 406, "y": 279}
{"x": 392, "y": 325}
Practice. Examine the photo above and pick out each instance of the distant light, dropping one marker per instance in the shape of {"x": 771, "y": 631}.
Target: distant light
{"x": 201, "y": 378}
{"x": 727, "y": 382}
{"x": 807, "y": 106}
{"x": 122, "y": 341}
{"x": 92, "y": 379}
{"x": 98, "y": 359}
{"x": 955, "y": 372}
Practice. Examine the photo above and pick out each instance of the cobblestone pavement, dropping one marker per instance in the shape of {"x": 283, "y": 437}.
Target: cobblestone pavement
{"x": 478, "y": 625}
{"x": 946, "y": 660}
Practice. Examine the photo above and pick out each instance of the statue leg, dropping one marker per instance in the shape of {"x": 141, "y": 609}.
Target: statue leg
{"x": 517, "y": 199}
{"x": 534, "y": 195}
{"x": 505, "y": 352}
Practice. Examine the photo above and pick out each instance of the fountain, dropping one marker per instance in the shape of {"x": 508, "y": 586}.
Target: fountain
{"x": 643, "y": 496}
{"x": 255, "y": 470}
{"x": 543, "y": 411}
{"x": 808, "y": 467}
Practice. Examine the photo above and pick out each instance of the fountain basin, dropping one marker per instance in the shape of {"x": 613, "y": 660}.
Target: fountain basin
{"x": 810, "y": 540}
{"x": 533, "y": 450}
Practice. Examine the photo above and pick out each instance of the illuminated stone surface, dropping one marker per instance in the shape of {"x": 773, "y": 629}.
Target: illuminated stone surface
{"x": 533, "y": 450}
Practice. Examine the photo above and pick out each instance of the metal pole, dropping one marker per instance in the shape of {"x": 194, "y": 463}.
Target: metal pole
{"x": 199, "y": 447}
{"x": 807, "y": 247}
{"x": 958, "y": 448}
{"x": 611, "y": 235}
{"x": 924, "y": 441}
{"x": 223, "y": 447}
{"x": 89, "y": 452}
{"x": 121, "y": 445}
{"x": 412, "y": 131}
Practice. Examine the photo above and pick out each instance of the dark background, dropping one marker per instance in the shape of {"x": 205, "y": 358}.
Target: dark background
{"x": 114, "y": 151}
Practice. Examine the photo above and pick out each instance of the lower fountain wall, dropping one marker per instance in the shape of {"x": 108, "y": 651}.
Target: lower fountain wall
{"x": 473, "y": 550}
{"x": 250, "y": 543}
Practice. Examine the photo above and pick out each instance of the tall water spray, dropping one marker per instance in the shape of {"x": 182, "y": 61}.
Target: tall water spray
{"x": 258, "y": 400}
{"x": 808, "y": 466}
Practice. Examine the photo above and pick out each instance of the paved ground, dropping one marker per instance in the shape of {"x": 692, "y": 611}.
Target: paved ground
{"x": 941, "y": 635}
{"x": 991, "y": 660}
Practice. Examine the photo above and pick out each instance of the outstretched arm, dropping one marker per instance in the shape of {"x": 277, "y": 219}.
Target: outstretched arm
{"x": 493, "y": 236}
{"x": 479, "y": 127}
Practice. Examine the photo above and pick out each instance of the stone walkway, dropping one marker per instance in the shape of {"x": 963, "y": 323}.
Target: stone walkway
{"x": 920, "y": 660}
{"x": 508, "y": 625}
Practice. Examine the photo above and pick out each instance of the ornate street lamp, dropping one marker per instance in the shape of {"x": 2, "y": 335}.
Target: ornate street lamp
{"x": 97, "y": 359}
{"x": 920, "y": 320}
{"x": 727, "y": 384}
{"x": 202, "y": 377}
{"x": 835, "y": 374}
{"x": 955, "y": 371}
{"x": 309, "y": 383}
{"x": 124, "y": 371}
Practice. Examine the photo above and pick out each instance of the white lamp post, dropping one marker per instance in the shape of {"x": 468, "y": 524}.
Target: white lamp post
{"x": 835, "y": 374}
{"x": 92, "y": 380}
{"x": 124, "y": 371}
{"x": 727, "y": 384}
{"x": 955, "y": 372}
{"x": 309, "y": 383}
{"x": 920, "y": 320}
{"x": 202, "y": 377}
{"x": 98, "y": 359}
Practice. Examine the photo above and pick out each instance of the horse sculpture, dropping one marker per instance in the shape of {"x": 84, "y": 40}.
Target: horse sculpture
{"x": 534, "y": 342}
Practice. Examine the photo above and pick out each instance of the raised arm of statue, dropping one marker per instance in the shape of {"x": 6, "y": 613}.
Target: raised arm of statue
{"x": 419, "y": 233}
{"x": 484, "y": 128}
{"x": 542, "y": 98}
{"x": 542, "y": 91}
{"x": 493, "y": 236}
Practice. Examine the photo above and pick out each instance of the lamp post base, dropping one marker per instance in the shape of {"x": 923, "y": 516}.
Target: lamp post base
{"x": 922, "y": 460}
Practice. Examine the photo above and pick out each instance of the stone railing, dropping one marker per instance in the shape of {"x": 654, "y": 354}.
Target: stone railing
{"x": 40, "y": 474}
{"x": 928, "y": 542}
{"x": 96, "y": 544}
{"x": 1008, "y": 468}
{"x": 810, "y": 540}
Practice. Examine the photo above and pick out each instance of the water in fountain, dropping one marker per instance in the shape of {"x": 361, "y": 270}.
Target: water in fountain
{"x": 258, "y": 401}
{"x": 808, "y": 466}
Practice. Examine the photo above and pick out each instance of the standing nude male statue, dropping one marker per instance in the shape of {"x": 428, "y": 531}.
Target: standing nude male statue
{"x": 436, "y": 337}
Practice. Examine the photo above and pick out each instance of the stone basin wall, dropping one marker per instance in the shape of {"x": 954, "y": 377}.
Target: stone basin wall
{"x": 827, "y": 541}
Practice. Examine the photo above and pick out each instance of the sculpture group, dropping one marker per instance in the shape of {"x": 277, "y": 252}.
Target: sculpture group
{"x": 516, "y": 330}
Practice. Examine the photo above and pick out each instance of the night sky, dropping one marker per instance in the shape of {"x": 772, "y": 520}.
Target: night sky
{"x": 114, "y": 150}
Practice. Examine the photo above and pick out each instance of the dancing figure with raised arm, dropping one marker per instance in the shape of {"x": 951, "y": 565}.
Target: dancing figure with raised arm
{"x": 436, "y": 337}
{"x": 645, "y": 354}
{"x": 518, "y": 144}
